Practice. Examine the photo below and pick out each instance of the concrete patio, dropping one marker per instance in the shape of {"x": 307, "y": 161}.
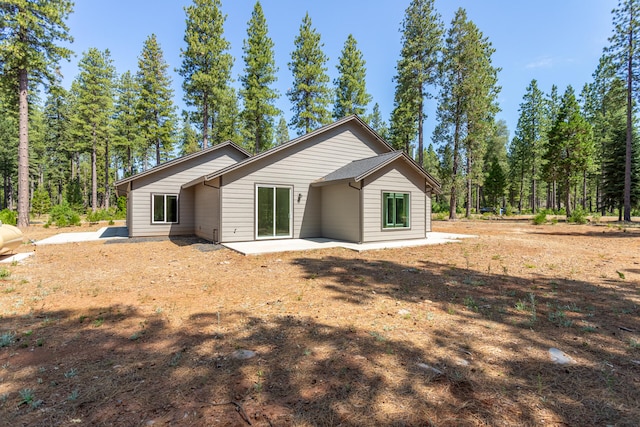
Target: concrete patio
{"x": 285, "y": 245}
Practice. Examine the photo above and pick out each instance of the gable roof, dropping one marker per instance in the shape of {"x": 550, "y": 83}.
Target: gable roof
{"x": 265, "y": 154}
{"x": 358, "y": 170}
{"x": 182, "y": 159}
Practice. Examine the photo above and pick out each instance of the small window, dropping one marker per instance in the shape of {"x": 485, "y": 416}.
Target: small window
{"x": 395, "y": 208}
{"x": 164, "y": 208}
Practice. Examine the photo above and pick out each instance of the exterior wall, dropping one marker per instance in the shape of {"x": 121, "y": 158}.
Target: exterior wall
{"x": 341, "y": 212}
{"x": 295, "y": 166}
{"x": 169, "y": 181}
{"x": 207, "y": 212}
{"x": 428, "y": 211}
{"x": 400, "y": 178}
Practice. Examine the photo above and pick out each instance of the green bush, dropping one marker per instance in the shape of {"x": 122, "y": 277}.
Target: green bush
{"x": 578, "y": 216}
{"x": 8, "y": 216}
{"x": 63, "y": 215}
{"x": 41, "y": 202}
{"x": 106, "y": 214}
{"x": 508, "y": 210}
{"x": 540, "y": 218}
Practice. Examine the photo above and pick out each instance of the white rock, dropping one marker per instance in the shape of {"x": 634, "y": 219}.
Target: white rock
{"x": 560, "y": 357}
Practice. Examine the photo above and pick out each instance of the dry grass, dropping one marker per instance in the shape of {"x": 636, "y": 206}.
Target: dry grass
{"x": 453, "y": 335}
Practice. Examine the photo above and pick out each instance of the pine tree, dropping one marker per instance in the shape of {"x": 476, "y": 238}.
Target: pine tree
{"x": 625, "y": 52}
{"x": 377, "y": 123}
{"x": 351, "y": 90}
{"x": 570, "y": 146}
{"x": 309, "y": 93}
{"x": 93, "y": 109}
{"x": 467, "y": 103}
{"x": 126, "y": 138}
{"x": 28, "y": 52}
{"x": 531, "y": 130}
{"x": 417, "y": 68}
{"x": 57, "y": 117}
{"x": 41, "y": 202}
{"x": 613, "y": 147}
{"x": 206, "y": 65}
{"x": 481, "y": 92}
{"x": 282, "y": 131}
{"x": 257, "y": 94}
{"x": 156, "y": 115}
{"x": 188, "y": 138}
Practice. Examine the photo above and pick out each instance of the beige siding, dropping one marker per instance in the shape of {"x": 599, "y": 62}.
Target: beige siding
{"x": 296, "y": 166}
{"x": 341, "y": 212}
{"x": 169, "y": 181}
{"x": 400, "y": 178}
{"x": 207, "y": 212}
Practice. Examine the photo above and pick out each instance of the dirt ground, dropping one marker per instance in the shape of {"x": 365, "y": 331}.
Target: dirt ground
{"x": 176, "y": 332}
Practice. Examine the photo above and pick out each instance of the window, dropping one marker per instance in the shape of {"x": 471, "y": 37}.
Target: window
{"x": 273, "y": 211}
{"x": 164, "y": 208}
{"x": 395, "y": 208}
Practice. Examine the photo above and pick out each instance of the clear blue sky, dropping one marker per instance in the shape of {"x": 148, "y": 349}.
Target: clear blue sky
{"x": 554, "y": 41}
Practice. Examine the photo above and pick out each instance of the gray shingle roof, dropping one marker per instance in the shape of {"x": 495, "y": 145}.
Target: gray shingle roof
{"x": 361, "y": 167}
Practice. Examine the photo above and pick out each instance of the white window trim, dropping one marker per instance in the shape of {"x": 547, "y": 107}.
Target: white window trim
{"x": 274, "y": 186}
{"x": 165, "y": 195}
{"x": 384, "y": 211}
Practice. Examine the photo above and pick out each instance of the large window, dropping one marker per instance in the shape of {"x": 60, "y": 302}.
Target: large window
{"x": 273, "y": 211}
{"x": 164, "y": 208}
{"x": 395, "y": 208}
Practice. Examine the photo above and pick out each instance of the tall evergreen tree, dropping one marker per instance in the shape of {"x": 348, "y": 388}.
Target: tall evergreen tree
{"x": 259, "y": 75}
{"x": 570, "y": 147}
{"x": 531, "y": 130}
{"x": 350, "y": 85}
{"x": 29, "y": 52}
{"x": 482, "y": 91}
{"x": 57, "y": 117}
{"x": 188, "y": 138}
{"x": 206, "y": 64}
{"x": 377, "y": 123}
{"x": 156, "y": 113}
{"x": 467, "y": 103}
{"x": 611, "y": 129}
{"x": 93, "y": 110}
{"x": 417, "y": 69}
{"x": 282, "y": 131}
{"x": 626, "y": 57}
{"x": 126, "y": 138}
{"x": 309, "y": 93}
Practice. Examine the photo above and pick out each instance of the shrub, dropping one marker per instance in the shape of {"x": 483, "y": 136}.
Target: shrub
{"x": 578, "y": 216}
{"x": 540, "y": 218}
{"x": 63, "y": 215}
{"x": 8, "y": 216}
{"x": 41, "y": 202}
{"x": 508, "y": 210}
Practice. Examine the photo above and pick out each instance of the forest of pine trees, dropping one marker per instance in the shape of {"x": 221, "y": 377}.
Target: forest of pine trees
{"x": 572, "y": 149}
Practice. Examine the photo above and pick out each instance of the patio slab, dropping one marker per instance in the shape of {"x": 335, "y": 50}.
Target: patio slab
{"x": 285, "y": 245}
{"x": 87, "y": 236}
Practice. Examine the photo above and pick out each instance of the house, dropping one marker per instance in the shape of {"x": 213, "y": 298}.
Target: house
{"x": 341, "y": 181}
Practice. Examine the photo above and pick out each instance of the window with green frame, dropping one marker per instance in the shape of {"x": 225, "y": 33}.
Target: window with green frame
{"x": 395, "y": 208}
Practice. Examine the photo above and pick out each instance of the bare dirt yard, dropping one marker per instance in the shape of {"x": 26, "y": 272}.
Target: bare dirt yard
{"x": 176, "y": 332}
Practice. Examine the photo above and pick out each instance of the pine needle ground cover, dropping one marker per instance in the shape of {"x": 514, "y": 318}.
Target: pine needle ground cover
{"x": 465, "y": 334}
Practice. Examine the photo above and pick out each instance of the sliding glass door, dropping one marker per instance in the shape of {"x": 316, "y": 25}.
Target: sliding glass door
{"x": 273, "y": 211}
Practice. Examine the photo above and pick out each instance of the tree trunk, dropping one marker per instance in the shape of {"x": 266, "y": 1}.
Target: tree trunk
{"x": 94, "y": 173}
{"x": 469, "y": 187}
{"x": 420, "y": 129}
{"x": 23, "y": 149}
{"x": 584, "y": 191}
{"x": 627, "y": 161}
{"x": 107, "y": 193}
{"x": 205, "y": 121}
